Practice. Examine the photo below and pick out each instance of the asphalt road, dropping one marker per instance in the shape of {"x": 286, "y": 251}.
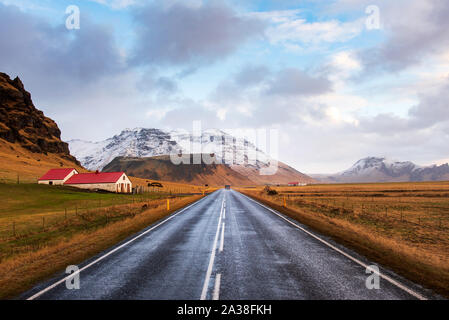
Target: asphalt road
{"x": 227, "y": 246}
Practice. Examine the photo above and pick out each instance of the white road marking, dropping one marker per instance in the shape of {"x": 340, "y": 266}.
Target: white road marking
{"x": 224, "y": 214}
{"x": 385, "y": 277}
{"x": 216, "y": 294}
{"x": 212, "y": 256}
{"x": 109, "y": 253}
{"x": 222, "y": 237}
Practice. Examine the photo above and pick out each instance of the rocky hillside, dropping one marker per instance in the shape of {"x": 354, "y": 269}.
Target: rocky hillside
{"x": 376, "y": 169}
{"x": 24, "y": 125}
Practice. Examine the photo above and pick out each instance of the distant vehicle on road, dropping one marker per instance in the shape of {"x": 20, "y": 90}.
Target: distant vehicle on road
{"x": 155, "y": 184}
{"x": 227, "y": 187}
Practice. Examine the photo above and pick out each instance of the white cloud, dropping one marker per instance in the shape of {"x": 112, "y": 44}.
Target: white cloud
{"x": 289, "y": 29}
{"x": 157, "y": 113}
{"x": 116, "y": 4}
{"x": 346, "y": 61}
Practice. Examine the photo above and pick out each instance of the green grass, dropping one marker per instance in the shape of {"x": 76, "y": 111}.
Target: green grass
{"x": 32, "y": 215}
{"x": 28, "y": 199}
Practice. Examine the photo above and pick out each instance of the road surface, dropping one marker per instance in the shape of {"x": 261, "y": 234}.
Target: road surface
{"x": 227, "y": 246}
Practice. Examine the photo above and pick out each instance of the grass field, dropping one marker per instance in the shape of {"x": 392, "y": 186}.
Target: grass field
{"x": 76, "y": 240}
{"x": 17, "y": 163}
{"x": 44, "y": 228}
{"x": 33, "y": 216}
{"x": 402, "y": 225}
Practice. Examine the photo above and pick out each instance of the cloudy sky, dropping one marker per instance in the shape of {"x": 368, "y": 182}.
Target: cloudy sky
{"x": 335, "y": 86}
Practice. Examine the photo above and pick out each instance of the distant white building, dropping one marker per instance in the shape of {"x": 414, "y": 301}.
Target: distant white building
{"x": 57, "y": 176}
{"x": 293, "y": 184}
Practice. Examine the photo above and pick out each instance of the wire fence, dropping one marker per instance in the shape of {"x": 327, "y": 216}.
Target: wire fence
{"x": 82, "y": 214}
{"x": 434, "y": 216}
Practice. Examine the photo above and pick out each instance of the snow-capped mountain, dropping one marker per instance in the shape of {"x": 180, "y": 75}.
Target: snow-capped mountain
{"x": 241, "y": 157}
{"x": 140, "y": 142}
{"x": 381, "y": 169}
{"x": 373, "y": 165}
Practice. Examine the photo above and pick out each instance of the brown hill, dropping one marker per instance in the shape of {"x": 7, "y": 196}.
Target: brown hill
{"x": 161, "y": 168}
{"x": 284, "y": 175}
{"x": 22, "y": 123}
{"x": 30, "y": 142}
{"x": 18, "y": 162}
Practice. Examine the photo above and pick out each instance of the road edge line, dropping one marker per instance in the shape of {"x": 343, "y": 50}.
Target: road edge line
{"x": 347, "y": 255}
{"x": 54, "y": 285}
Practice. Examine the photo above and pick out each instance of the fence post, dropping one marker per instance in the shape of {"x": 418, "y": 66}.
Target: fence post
{"x": 168, "y": 204}
{"x": 43, "y": 223}
{"x": 14, "y": 228}
{"x": 65, "y": 213}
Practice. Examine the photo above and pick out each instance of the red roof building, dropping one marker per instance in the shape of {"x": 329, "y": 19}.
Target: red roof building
{"x": 110, "y": 181}
{"x": 57, "y": 176}
{"x": 96, "y": 177}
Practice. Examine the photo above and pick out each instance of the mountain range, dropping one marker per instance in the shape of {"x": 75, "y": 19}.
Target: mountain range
{"x": 381, "y": 169}
{"x": 136, "y": 152}
{"x": 30, "y": 143}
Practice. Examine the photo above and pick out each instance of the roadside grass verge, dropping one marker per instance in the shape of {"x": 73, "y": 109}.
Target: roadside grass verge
{"x": 405, "y": 230}
{"x": 21, "y": 271}
{"x": 33, "y": 216}
{"x": 27, "y": 199}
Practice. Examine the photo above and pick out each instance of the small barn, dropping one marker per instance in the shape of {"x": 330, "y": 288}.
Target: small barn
{"x": 293, "y": 184}
{"x": 57, "y": 176}
{"x": 109, "y": 181}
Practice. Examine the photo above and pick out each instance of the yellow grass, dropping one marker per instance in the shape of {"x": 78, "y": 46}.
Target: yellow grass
{"x": 17, "y": 163}
{"x": 170, "y": 187}
{"x": 22, "y": 271}
{"x": 402, "y": 225}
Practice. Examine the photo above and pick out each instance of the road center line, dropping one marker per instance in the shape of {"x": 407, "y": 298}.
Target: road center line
{"x": 385, "y": 277}
{"x": 212, "y": 255}
{"x": 216, "y": 294}
{"x": 54, "y": 285}
{"x": 222, "y": 237}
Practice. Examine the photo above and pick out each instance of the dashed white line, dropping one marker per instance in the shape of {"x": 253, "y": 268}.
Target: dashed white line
{"x": 54, "y": 285}
{"x": 212, "y": 255}
{"x": 222, "y": 237}
{"x": 216, "y": 294}
{"x": 385, "y": 277}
